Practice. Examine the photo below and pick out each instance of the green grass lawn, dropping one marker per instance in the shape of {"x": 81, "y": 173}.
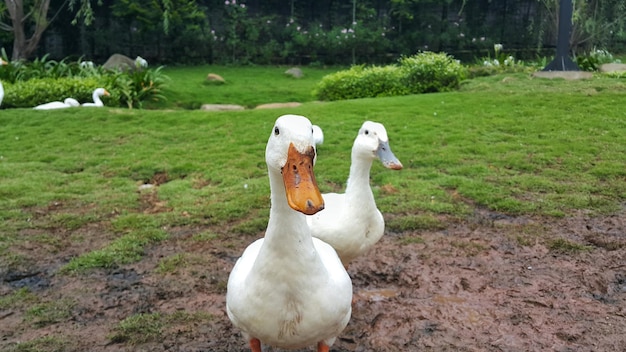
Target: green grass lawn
{"x": 511, "y": 144}
{"x": 249, "y": 86}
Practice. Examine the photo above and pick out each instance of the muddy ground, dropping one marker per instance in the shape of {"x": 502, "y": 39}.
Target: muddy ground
{"x": 486, "y": 283}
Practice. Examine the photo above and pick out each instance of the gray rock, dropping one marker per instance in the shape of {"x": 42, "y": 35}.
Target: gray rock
{"x": 278, "y": 105}
{"x": 221, "y": 107}
{"x": 123, "y": 63}
{"x": 569, "y": 75}
{"x": 612, "y": 67}
{"x": 294, "y": 72}
{"x": 214, "y": 77}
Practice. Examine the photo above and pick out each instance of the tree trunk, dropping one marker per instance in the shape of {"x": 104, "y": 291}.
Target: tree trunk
{"x": 24, "y": 47}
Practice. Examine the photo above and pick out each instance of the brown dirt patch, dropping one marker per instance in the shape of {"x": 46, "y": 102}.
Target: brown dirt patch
{"x": 487, "y": 283}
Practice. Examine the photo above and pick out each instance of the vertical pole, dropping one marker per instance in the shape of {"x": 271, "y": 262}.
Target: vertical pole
{"x": 354, "y": 27}
{"x": 562, "y": 61}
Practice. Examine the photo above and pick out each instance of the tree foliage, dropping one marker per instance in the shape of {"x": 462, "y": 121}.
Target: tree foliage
{"x": 300, "y": 32}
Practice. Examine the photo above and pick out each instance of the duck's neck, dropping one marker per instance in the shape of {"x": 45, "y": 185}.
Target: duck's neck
{"x": 96, "y": 99}
{"x": 358, "y": 187}
{"x": 288, "y": 235}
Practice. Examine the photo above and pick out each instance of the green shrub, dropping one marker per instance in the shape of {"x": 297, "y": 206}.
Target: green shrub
{"x": 130, "y": 89}
{"x": 429, "y": 72}
{"x": 361, "y": 82}
{"x": 422, "y": 73}
{"x": 24, "y": 94}
{"x": 28, "y": 84}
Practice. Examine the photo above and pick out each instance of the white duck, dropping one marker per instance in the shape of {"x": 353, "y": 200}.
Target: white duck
{"x": 96, "y": 97}
{"x": 2, "y": 62}
{"x": 67, "y": 103}
{"x": 318, "y": 135}
{"x": 351, "y": 222}
{"x": 290, "y": 290}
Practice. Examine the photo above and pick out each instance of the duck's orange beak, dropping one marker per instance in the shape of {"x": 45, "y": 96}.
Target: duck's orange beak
{"x": 106, "y": 92}
{"x": 303, "y": 194}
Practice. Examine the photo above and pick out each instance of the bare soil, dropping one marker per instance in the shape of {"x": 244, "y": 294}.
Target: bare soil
{"x": 486, "y": 283}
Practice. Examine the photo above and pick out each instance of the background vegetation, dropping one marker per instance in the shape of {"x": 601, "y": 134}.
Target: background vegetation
{"x": 326, "y": 32}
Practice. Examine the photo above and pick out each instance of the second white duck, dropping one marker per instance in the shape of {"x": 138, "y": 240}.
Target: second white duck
{"x": 67, "y": 103}
{"x": 97, "y": 102}
{"x": 288, "y": 289}
{"x": 351, "y": 221}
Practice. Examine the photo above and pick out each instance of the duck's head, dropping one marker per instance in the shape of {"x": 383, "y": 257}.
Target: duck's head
{"x": 291, "y": 151}
{"x": 372, "y": 142}
{"x": 101, "y": 92}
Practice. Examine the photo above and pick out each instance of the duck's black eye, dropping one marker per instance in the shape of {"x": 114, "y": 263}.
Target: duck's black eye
{"x": 366, "y": 132}
{"x": 276, "y": 131}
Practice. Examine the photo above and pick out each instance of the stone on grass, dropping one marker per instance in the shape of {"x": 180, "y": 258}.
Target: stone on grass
{"x": 214, "y": 77}
{"x": 294, "y": 72}
{"x": 612, "y": 67}
{"x": 119, "y": 62}
{"x": 221, "y": 107}
{"x": 278, "y": 105}
{"x": 568, "y": 75}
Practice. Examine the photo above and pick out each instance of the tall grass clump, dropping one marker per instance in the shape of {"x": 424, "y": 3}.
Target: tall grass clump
{"x": 133, "y": 88}
{"x": 501, "y": 62}
{"x": 425, "y": 72}
{"x": 591, "y": 61}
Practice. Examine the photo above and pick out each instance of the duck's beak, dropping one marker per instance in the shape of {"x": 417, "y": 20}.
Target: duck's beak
{"x": 106, "y": 92}
{"x": 387, "y": 157}
{"x": 303, "y": 194}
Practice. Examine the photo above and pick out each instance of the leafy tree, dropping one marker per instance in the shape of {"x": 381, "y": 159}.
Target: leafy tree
{"x": 163, "y": 24}
{"x": 28, "y": 20}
